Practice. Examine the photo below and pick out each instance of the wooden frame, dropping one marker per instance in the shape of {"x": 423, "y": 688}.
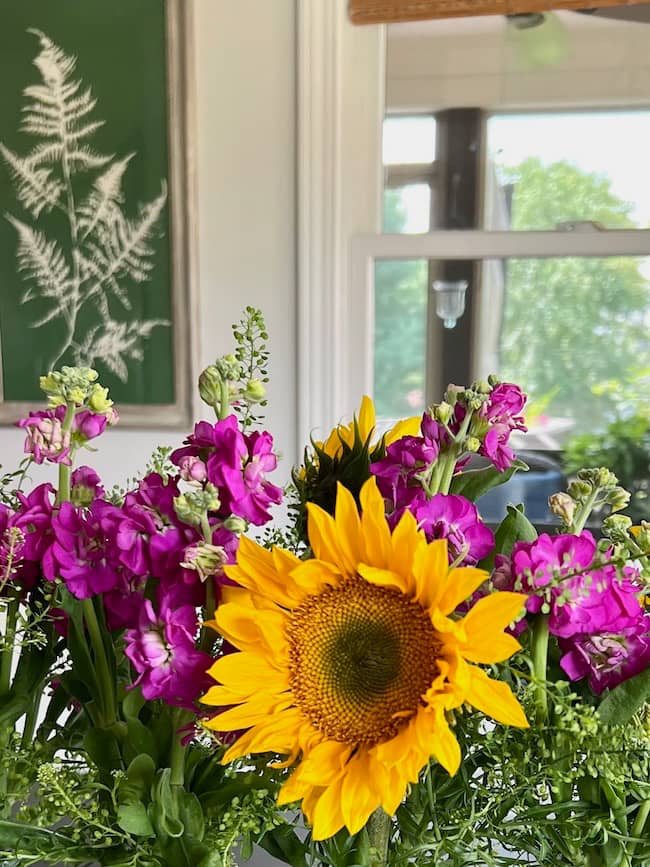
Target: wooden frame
{"x": 394, "y": 11}
{"x": 182, "y": 234}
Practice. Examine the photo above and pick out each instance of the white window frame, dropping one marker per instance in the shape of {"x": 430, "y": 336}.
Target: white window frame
{"x": 445, "y": 245}
{"x": 341, "y": 107}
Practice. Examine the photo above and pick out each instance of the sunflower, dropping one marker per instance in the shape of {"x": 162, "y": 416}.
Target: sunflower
{"x": 362, "y": 428}
{"x": 350, "y": 662}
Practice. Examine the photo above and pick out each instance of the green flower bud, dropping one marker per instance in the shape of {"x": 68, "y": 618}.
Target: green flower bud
{"x": 616, "y": 527}
{"x": 494, "y": 380}
{"x": 442, "y": 412}
{"x": 618, "y": 498}
{"x": 99, "y": 401}
{"x": 563, "y": 506}
{"x": 235, "y": 524}
{"x": 579, "y": 490}
{"x": 472, "y": 444}
{"x": 210, "y": 386}
{"x": 228, "y": 367}
{"x": 255, "y": 391}
{"x": 481, "y": 387}
{"x": 205, "y": 559}
{"x": 192, "y": 507}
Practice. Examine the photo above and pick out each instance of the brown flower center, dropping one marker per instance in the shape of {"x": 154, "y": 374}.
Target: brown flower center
{"x": 361, "y": 657}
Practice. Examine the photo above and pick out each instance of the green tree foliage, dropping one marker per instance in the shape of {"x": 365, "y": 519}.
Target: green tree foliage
{"x": 400, "y": 325}
{"x": 569, "y": 324}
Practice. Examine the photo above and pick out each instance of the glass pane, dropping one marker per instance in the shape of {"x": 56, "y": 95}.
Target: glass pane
{"x": 409, "y": 140}
{"x": 407, "y": 209}
{"x": 574, "y": 333}
{"x": 400, "y": 338}
{"x": 545, "y": 169}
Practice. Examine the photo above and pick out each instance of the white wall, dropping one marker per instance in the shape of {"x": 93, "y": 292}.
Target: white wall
{"x": 245, "y": 148}
{"x": 472, "y": 63}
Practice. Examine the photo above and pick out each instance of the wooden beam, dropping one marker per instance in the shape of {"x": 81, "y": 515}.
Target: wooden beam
{"x": 392, "y": 11}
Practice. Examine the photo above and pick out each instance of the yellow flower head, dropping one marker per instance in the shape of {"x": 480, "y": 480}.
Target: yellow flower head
{"x": 349, "y": 662}
{"x": 345, "y": 435}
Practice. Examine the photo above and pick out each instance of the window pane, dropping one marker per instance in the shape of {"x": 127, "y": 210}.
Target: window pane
{"x": 407, "y": 209}
{"x": 545, "y": 169}
{"x": 409, "y": 140}
{"x": 400, "y": 338}
{"x": 574, "y": 333}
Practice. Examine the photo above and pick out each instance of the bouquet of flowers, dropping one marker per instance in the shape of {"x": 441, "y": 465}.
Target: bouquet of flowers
{"x": 380, "y": 679}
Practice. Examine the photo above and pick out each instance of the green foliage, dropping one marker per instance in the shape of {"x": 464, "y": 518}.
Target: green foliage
{"x": 252, "y": 354}
{"x": 560, "y": 313}
{"x": 624, "y": 447}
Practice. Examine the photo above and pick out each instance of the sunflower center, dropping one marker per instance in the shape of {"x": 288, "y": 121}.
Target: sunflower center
{"x": 361, "y": 657}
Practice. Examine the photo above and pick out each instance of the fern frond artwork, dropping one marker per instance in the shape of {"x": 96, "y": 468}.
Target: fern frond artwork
{"x": 85, "y": 281}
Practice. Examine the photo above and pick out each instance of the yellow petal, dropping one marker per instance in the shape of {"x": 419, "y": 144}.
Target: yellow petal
{"x": 460, "y": 585}
{"x": 485, "y": 622}
{"x": 325, "y": 763}
{"x": 430, "y": 568}
{"x": 494, "y": 698}
{"x": 315, "y": 576}
{"x": 444, "y": 745}
{"x": 408, "y": 427}
{"x": 348, "y": 528}
{"x": 323, "y": 537}
{"x": 382, "y": 577}
{"x": 405, "y": 540}
{"x": 366, "y": 420}
{"x": 256, "y": 570}
{"x": 251, "y": 672}
{"x": 501, "y": 646}
{"x": 256, "y": 710}
{"x": 253, "y": 629}
{"x": 375, "y": 532}
{"x": 326, "y": 817}
{"x": 359, "y": 796}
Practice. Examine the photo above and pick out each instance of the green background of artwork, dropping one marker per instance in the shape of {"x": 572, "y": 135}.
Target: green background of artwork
{"x": 120, "y": 47}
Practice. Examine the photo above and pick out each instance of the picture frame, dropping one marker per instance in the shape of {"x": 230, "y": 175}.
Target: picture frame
{"x": 137, "y": 329}
{"x": 395, "y": 11}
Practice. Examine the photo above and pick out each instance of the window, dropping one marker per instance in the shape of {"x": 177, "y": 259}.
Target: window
{"x": 571, "y": 323}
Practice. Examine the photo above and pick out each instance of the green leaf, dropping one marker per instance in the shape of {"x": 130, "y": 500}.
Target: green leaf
{"x": 620, "y": 705}
{"x": 515, "y": 527}
{"x": 283, "y": 843}
{"x": 472, "y": 484}
{"x": 613, "y": 853}
{"x": 104, "y": 750}
{"x": 133, "y": 819}
{"x": 136, "y": 785}
{"x": 191, "y": 814}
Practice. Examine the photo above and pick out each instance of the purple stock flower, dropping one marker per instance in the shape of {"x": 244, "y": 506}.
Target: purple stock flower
{"x": 81, "y": 552}
{"x": 596, "y": 600}
{"x": 504, "y": 406}
{"x": 495, "y": 447}
{"x": 86, "y": 486}
{"x": 456, "y": 519}
{"x": 397, "y": 472}
{"x": 608, "y": 657}
{"x": 162, "y": 650}
{"x": 236, "y": 464}
{"x": 45, "y": 439}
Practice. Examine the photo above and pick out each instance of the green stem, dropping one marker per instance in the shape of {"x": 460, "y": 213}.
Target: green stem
{"x": 539, "y": 656}
{"x": 63, "y": 494}
{"x": 8, "y": 651}
{"x": 639, "y": 824}
{"x": 582, "y": 516}
{"x": 224, "y": 399}
{"x": 107, "y": 685}
{"x": 378, "y": 828}
{"x": 178, "y": 750}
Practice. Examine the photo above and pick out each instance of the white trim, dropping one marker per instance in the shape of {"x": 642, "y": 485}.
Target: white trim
{"x": 340, "y": 113}
{"x": 447, "y": 245}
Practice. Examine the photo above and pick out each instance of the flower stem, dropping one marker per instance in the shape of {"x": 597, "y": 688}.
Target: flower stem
{"x": 180, "y": 718}
{"x": 8, "y": 648}
{"x": 539, "y": 655}
{"x": 639, "y": 824}
{"x": 581, "y": 517}
{"x": 378, "y": 828}
{"x": 63, "y": 494}
{"x": 224, "y": 399}
{"x": 107, "y": 684}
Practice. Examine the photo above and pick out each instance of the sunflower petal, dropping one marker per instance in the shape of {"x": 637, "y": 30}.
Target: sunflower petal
{"x": 325, "y": 763}
{"x": 430, "y": 568}
{"x": 375, "y": 532}
{"x": 382, "y": 577}
{"x": 359, "y": 796}
{"x": 323, "y": 536}
{"x": 407, "y": 427}
{"x": 460, "y": 585}
{"x": 252, "y": 629}
{"x": 494, "y": 698}
{"x": 366, "y": 419}
{"x": 485, "y": 622}
{"x": 326, "y": 816}
{"x": 348, "y": 526}
{"x": 444, "y": 745}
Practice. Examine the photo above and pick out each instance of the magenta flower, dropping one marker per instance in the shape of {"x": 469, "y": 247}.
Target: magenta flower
{"x": 86, "y": 486}
{"x": 163, "y": 652}
{"x": 34, "y": 517}
{"x": 192, "y": 469}
{"x": 82, "y": 552}
{"x": 504, "y": 406}
{"x": 608, "y": 657}
{"x": 595, "y": 600}
{"x": 45, "y": 439}
{"x": 397, "y": 474}
{"x": 456, "y": 519}
{"x": 88, "y": 425}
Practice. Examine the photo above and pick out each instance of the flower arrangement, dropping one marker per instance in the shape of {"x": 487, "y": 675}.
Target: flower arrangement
{"x": 381, "y": 679}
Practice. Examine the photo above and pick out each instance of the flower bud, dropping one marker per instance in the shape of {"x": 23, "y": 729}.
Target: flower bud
{"x": 205, "y": 559}
{"x": 442, "y": 412}
{"x": 228, "y": 367}
{"x": 494, "y": 380}
{"x": 235, "y": 524}
{"x": 579, "y": 490}
{"x": 210, "y": 386}
{"x": 255, "y": 391}
{"x": 618, "y": 498}
{"x": 481, "y": 387}
{"x": 193, "y": 469}
{"x": 472, "y": 444}
{"x": 563, "y": 506}
{"x": 193, "y": 506}
{"x": 99, "y": 400}
{"x": 616, "y": 527}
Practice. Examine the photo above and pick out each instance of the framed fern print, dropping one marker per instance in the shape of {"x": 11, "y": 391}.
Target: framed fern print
{"x": 94, "y": 193}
